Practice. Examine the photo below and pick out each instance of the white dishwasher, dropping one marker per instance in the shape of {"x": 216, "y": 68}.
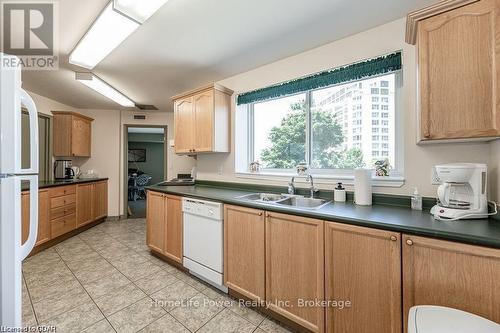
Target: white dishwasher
{"x": 203, "y": 240}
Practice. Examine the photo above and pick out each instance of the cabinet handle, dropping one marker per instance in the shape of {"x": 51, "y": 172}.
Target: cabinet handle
{"x": 394, "y": 238}
{"x": 268, "y": 215}
{"x": 260, "y": 214}
{"x": 409, "y": 242}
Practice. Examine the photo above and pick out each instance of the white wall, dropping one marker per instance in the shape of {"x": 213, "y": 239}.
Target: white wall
{"x": 46, "y": 105}
{"x": 495, "y": 171}
{"x": 375, "y": 42}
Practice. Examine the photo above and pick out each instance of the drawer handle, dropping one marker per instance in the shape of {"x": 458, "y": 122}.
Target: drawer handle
{"x": 394, "y": 238}
{"x": 409, "y": 242}
{"x": 260, "y": 214}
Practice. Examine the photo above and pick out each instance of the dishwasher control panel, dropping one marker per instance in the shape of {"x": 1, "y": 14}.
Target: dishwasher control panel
{"x": 208, "y": 209}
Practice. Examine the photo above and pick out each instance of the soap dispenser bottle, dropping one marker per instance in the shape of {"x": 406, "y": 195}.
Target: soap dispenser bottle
{"x": 339, "y": 193}
{"x": 416, "y": 200}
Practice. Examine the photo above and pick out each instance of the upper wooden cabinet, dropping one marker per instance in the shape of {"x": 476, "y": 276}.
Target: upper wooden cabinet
{"x": 202, "y": 120}
{"x": 459, "y": 276}
{"x": 363, "y": 266}
{"x": 244, "y": 247}
{"x": 458, "y": 66}
{"x": 72, "y": 134}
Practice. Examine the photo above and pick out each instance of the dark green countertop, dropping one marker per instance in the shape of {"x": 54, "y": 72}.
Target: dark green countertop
{"x": 402, "y": 219}
{"x": 54, "y": 183}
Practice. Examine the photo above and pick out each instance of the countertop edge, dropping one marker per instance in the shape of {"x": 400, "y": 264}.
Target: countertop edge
{"x": 51, "y": 184}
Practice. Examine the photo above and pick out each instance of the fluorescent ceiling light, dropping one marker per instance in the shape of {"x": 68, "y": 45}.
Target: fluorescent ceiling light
{"x": 95, "y": 83}
{"x": 139, "y": 10}
{"x": 107, "y": 32}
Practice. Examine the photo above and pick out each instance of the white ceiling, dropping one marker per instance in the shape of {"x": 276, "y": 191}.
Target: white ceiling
{"x": 188, "y": 43}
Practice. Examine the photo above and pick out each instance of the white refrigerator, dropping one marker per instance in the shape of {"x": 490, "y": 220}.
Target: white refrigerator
{"x": 12, "y": 252}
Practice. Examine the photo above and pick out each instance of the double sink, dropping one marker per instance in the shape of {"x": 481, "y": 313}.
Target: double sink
{"x": 295, "y": 201}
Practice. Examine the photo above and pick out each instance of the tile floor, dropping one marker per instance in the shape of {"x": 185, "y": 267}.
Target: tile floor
{"x": 106, "y": 280}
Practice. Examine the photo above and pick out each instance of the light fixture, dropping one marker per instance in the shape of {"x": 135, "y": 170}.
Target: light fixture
{"x": 139, "y": 10}
{"x": 117, "y": 21}
{"x": 95, "y": 83}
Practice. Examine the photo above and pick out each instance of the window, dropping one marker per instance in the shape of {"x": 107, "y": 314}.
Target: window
{"x": 332, "y": 128}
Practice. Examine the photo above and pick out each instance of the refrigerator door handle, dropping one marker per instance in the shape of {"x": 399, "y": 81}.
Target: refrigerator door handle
{"x": 28, "y": 102}
{"x": 33, "y": 234}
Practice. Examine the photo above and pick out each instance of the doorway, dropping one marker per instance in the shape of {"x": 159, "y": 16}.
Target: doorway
{"x": 146, "y": 164}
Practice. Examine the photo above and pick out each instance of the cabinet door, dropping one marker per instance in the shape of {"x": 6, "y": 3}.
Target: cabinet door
{"x": 295, "y": 268}
{"x": 173, "y": 228}
{"x": 43, "y": 217}
{"x": 183, "y": 126}
{"x": 155, "y": 221}
{"x": 62, "y": 135}
{"x": 81, "y": 137}
{"x": 84, "y": 204}
{"x": 459, "y": 276}
{"x": 100, "y": 200}
{"x": 244, "y": 245}
{"x": 363, "y": 266}
{"x": 204, "y": 121}
{"x": 459, "y": 55}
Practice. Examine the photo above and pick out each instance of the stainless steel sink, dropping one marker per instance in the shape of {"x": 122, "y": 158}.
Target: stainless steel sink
{"x": 306, "y": 203}
{"x": 264, "y": 197}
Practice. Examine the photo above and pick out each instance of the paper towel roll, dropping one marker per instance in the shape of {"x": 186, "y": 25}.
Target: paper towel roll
{"x": 363, "y": 187}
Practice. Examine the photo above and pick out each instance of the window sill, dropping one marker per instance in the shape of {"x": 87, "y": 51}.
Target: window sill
{"x": 390, "y": 181}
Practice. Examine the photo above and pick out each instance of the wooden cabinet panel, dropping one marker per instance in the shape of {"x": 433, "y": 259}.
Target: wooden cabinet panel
{"x": 295, "y": 268}
{"x": 62, "y": 225}
{"x": 244, "y": 246}
{"x": 58, "y": 212}
{"x": 173, "y": 228}
{"x": 84, "y": 202}
{"x": 100, "y": 200}
{"x": 81, "y": 137}
{"x": 458, "y": 59}
{"x": 203, "y": 107}
{"x": 62, "y": 190}
{"x": 155, "y": 221}
{"x": 62, "y": 201}
{"x": 450, "y": 274}
{"x": 25, "y": 216}
{"x": 362, "y": 266}
{"x": 184, "y": 131}
{"x": 43, "y": 217}
{"x": 72, "y": 134}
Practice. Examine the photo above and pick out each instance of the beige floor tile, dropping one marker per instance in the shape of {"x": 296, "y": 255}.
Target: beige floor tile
{"x": 174, "y": 295}
{"x": 136, "y": 316}
{"x": 128, "y": 261}
{"x": 166, "y": 324}
{"x": 54, "y": 305}
{"x": 39, "y": 291}
{"x": 156, "y": 281}
{"x": 94, "y": 272}
{"x": 93, "y": 259}
{"x": 271, "y": 326}
{"x": 247, "y": 313}
{"x": 100, "y": 327}
{"x": 136, "y": 272}
{"x": 28, "y": 316}
{"x": 75, "y": 320}
{"x": 193, "y": 282}
{"x": 61, "y": 272}
{"x": 218, "y": 296}
{"x": 196, "y": 312}
{"x": 119, "y": 298}
{"x": 101, "y": 287}
{"x": 228, "y": 322}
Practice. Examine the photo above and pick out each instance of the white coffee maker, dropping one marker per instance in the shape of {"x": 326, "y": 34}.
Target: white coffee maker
{"x": 462, "y": 193}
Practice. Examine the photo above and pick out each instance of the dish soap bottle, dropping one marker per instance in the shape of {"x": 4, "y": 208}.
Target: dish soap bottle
{"x": 339, "y": 193}
{"x": 416, "y": 200}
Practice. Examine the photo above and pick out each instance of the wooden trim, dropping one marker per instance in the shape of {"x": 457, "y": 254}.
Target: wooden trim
{"x": 214, "y": 86}
{"x": 71, "y": 113}
{"x": 414, "y": 17}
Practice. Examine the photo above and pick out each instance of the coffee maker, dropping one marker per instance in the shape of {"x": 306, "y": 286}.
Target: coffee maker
{"x": 63, "y": 170}
{"x": 462, "y": 191}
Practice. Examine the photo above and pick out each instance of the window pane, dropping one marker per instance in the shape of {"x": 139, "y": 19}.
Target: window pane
{"x": 280, "y": 132}
{"x": 344, "y": 130}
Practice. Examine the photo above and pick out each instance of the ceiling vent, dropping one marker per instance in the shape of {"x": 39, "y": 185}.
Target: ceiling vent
{"x": 139, "y": 117}
{"x": 146, "y": 107}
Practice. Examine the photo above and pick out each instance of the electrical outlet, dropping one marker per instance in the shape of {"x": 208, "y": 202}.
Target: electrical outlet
{"x": 434, "y": 177}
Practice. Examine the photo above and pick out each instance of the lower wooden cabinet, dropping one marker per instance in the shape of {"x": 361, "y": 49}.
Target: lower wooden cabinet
{"x": 84, "y": 200}
{"x": 164, "y": 228}
{"x": 460, "y": 276}
{"x": 99, "y": 200}
{"x": 295, "y": 269}
{"x": 244, "y": 251}
{"x": 363, "y": 267}
{"x": 43, "y": 217}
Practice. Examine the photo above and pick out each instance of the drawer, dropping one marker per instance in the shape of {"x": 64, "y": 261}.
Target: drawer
{"x": 62, "y": 201}
{"x": 62, "y": 225}
{"x": 62, "y": 190}
{"x": 58, "y": 212}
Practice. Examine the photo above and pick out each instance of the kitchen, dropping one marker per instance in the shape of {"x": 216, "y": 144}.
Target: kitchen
{"x": 327, "y": 97}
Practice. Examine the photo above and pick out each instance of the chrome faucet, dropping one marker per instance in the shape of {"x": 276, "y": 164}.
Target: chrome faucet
{"x": 311, "y": 188}
{"x": 291, "y": 186}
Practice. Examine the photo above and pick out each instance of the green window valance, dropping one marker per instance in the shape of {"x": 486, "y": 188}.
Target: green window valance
{"x": 385, "y": 64}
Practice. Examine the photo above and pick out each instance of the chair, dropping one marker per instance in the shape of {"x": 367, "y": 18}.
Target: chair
{"x": 141, "y": 182}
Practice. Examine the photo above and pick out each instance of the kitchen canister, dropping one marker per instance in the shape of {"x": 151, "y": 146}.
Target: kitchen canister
{"x": 363, "y": 187}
